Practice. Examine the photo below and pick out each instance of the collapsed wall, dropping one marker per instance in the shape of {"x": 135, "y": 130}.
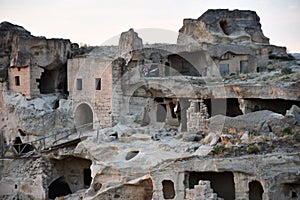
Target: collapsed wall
{"x": 23, "y": 51}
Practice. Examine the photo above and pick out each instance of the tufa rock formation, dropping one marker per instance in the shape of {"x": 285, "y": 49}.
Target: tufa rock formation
{"x": 9, "y": 35}
{"x": 223, "y": 26}
{"x": 20, "y": 49}
{"x": 128, "y": 42}
{"x": 216, "y": 119}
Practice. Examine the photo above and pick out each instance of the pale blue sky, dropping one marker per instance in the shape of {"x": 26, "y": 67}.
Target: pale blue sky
{"x": 94, "y": 22}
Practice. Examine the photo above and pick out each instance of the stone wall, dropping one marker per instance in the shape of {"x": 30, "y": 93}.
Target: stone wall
{"x": 35, "y": 75}
{"x": 27, "y": 80}
{"x": 234, "y": 63}
{"x": 197, "y": 116}
{"x": 24, "y": 80}
{"x": 88, "y": 69}
{"x": 202, "y": 191}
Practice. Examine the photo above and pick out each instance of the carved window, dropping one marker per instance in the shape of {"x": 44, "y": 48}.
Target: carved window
{"x": 79, "y": 84}
{"x": 224, "y": 69}
{"x": 98, "y": 83}
{"x": 244, "y": 67}
{"x": 17, "y": 80}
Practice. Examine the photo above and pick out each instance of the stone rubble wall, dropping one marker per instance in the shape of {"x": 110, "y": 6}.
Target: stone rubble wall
{"x": 202, "y": 191}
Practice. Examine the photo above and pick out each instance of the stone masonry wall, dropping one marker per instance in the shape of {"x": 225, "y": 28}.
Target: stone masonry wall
{"x": 35, "y": 73}
{"x": 88, "y": 70}
{"x": 24, "y": 77}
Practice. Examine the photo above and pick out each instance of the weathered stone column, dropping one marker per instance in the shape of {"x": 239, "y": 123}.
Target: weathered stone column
{"x": 169, "y": 112}
{"x": 184, "y": 104}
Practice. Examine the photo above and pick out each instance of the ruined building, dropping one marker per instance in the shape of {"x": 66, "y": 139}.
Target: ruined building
{"x": 215, "y": 116}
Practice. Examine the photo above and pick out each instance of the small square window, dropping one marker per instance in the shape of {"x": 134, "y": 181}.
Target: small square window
{"x": 98, "y": 83}
{"x": 79, "y": 84}
{"x": 17, "y": 80}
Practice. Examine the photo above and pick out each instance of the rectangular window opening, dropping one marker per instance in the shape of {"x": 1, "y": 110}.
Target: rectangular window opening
{"x": 244, "y": 67}
{"x": 17, "y": 80}
{"x": 224, "y": 69}
{"x": 79, "y": 84}
{"x": 98, "y": 83}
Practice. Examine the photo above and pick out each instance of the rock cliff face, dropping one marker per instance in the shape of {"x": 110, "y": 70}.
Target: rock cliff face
{"x": 129, "y": 41}
{"x": 19, "y": 48}
{"x": 9, "y": 35}
{"x": 179, "y": 135}
{"x": 223, "y": 26}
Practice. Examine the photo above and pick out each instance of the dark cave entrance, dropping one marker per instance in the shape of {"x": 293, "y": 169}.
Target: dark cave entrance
{"x": 47, "y": 82}
{"x": 222, "y": 183}
{"x": 87, "y": 177}
{"x": 224, "y": 26}
{"x": 168, "y": 189}
{"x": 58, "y": 188}
{"x": 275, "y": 105}
{"x": 229, "y": 107}
{"x": 255, "y": 190}
{"x": 53, "y": 80}
{"x": 74, "y": 174}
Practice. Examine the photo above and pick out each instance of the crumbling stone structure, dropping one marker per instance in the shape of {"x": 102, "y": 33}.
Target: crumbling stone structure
{"x": 34, "y": 65}
{"x": 163, "y": 121}
{"x": 197, "y": 116}
{"x": 23, "y": 80}
{"x": 201, "y": 191}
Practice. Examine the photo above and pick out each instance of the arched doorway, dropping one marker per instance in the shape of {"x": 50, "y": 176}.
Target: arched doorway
{"x": 58, "y": 188}
{"x": 84, "y": 117}
{"x": 255, "y": 190}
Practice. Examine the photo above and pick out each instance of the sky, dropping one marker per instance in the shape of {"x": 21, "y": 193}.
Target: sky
{"x": 97, "y": 22}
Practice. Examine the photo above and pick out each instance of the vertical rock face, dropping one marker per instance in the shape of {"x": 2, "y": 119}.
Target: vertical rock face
{"x": 19, "y": 48}
{"x": 129, "y": 41}
{"x": 9, "y": 35}
{"x": 223, "y": 26}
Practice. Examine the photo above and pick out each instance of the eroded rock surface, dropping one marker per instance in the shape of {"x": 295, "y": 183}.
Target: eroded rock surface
{"x": 20, "y": 48}
{"x": 128, "y": 42}
{"x": 168, "y": 140}
{"x": 223, "y": 26}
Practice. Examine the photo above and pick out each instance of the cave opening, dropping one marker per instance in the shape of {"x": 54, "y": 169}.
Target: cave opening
{"x": 255, "y": 190}
{"x": 58, "y": 188}
{"x": 131, "y": 155}
{"x": 222, "y": 183}
{"x": 276, "y": 105}
{"x": 47, "y": 82}
{"x": 168, "y": 189}
{"x": 224, "y": 27}
{"x": 74, "y": 173}
{"x": 229, "y": 107}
